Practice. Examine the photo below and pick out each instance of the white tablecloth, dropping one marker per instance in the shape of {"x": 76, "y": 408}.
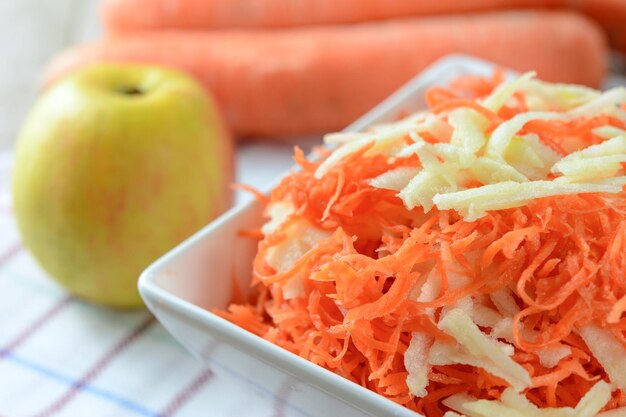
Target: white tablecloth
{"x": 62, "y": 357}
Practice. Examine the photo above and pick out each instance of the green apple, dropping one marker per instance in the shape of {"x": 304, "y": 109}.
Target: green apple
{"x": 115, "y": 165}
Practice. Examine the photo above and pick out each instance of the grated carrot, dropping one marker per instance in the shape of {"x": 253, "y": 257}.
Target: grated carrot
{"x": 562, "y": 257}
{"x": 256, "y": 193}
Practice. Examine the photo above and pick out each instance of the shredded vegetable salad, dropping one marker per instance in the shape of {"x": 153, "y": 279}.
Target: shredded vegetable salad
{"x": 467, "y": 260}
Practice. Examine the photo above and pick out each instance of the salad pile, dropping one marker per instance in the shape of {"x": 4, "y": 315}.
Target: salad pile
{"x": 466, "y": 260}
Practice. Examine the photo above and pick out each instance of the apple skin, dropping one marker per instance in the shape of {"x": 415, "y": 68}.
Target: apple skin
{"x": 115, "y": 165}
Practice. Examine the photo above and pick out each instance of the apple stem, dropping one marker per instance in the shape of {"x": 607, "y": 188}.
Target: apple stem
{"x": 130, "y": 90}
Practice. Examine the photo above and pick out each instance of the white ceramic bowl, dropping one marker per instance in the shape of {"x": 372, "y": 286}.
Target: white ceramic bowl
{"x": 184, "y": 285}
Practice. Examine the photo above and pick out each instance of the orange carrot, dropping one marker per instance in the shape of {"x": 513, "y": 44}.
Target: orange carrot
{"x": 285, "y": 82}
{"x": 122, "y": 16}
{"x": 128, "y": 15}
{"x": 611, "y": 14}
{"x": 561, "y": 259}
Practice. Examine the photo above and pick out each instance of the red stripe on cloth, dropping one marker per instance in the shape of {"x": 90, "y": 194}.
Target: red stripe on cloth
{"x": 278, "y": 409}
{"x": 186, "y": 393}
{"x": 35, "y": 326}
{"x": 95, "y": 370}
{"x": 9, "y": 254}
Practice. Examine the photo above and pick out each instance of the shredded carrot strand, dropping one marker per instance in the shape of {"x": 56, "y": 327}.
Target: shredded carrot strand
{"x": 562, "y": 259}
{"x": 256, "y": 193}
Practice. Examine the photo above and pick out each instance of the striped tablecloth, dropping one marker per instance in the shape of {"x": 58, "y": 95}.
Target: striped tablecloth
{"x": 63, "y": 357}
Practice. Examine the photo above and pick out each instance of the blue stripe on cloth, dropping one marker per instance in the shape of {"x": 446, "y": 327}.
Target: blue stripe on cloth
{"x": 57, "y": 376}
{"x": 96, "y": 369}
{"x": 129, "y": 404}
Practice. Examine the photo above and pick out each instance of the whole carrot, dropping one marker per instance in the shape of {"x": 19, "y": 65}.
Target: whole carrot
{"x": 124, "y": 15}
{"x": 611, "y": 14}
{"x": 309, "y": 80}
